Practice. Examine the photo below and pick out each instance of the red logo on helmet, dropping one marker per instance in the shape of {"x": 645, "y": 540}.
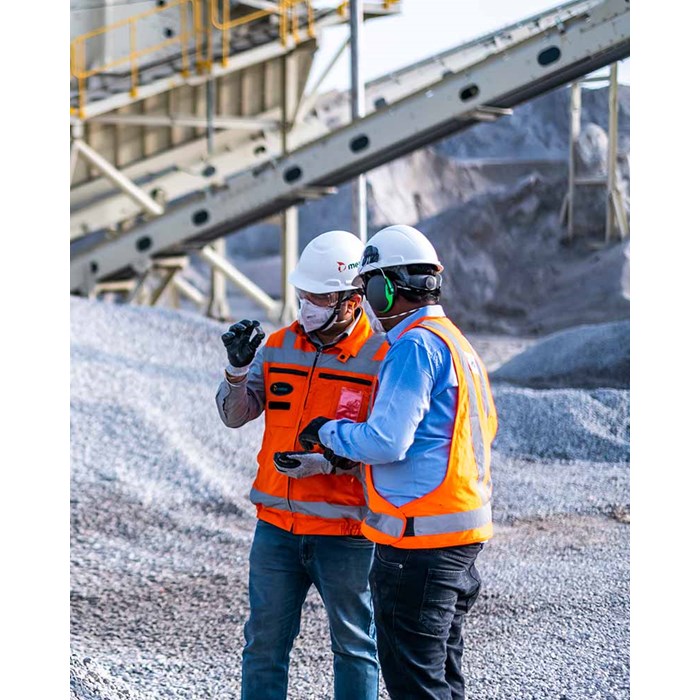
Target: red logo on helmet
{"x": 341, "y": 266}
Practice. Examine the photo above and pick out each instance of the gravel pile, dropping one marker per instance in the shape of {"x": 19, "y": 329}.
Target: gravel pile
{"x": 585, "y": 357}
{"x": 161, "y": 527}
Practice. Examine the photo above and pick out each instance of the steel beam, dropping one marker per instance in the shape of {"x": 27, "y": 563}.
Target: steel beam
{"x": 308, "y": 99}
{"x": 117, "y": 178}
{"x": 163, "y": 284}
{"x": 574, "y": 133}
{"x": 218, "y": 121}
{"x": 247, "y": 286}
{"x": 218, "y": 304}
{"x": 380, "y": 94}
{"x": 578, "y": 45}
{"x": 188, "y": 290}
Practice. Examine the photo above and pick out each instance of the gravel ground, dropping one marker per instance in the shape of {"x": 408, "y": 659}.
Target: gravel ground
{"x": 161, "y": 527}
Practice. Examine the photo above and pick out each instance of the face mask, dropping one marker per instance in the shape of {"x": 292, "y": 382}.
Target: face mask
{"x": 374, "y": 322}
{"x": 312, "y": 317}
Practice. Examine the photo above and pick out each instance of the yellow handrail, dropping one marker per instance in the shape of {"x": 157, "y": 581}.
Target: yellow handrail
{"x": 285, "y": 10}
{"x": 344, "y": 5}
{"x": 190, "y": 27}
{"x": 78, "y": 60}
{"x": 228, "y": 24}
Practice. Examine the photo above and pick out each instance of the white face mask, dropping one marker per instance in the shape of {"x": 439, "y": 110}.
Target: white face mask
{"x": 374, "y": 322}
{"x": 313, "y": 317}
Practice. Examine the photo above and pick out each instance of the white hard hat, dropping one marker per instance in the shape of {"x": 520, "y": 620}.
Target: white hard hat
{"x": 398, "y": 245}
{"x": 329, "y": 263}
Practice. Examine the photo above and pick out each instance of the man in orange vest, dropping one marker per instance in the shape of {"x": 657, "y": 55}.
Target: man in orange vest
{"x": 428, "y": 441}
{"x": 308, "y": 529}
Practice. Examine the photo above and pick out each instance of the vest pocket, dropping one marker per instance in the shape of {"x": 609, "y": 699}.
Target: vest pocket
{"x": 349, "y": 404}
{"x": 285, "y": 388}
{"x": 348, "y": 396}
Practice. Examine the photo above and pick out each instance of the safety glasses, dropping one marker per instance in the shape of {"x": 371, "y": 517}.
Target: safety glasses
{"x": 330, "y": 299}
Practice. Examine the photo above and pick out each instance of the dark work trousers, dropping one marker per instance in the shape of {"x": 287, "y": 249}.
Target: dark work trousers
{"x": 420, "y": 599}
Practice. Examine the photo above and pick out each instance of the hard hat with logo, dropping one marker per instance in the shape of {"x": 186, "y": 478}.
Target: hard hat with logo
{"x": 329, "y": 263}
{"x": 398, "y": 245}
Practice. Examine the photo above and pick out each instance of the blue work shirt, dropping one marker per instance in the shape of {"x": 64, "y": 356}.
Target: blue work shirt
{"x": 408, "y": 434}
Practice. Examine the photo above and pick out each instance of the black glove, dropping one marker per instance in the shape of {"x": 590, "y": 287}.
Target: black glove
{"x": 342, "y": 463}
{"x": 308, "y": 437}
{"x": 242, "y": 339}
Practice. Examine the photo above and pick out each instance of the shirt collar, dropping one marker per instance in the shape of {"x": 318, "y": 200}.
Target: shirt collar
{"x": 344, "y": 334}
{"x": 430, "y": 311}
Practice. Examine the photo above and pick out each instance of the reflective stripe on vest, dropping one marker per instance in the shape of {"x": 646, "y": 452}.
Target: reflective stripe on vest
{"x": 364, "y": 363}
{"x": 431, "y": 524}
{"x": 458, "y": 511}
{"x": 313, "y": 382}
{"x": 320, "y": 509}
{"x": 476, "y": 404}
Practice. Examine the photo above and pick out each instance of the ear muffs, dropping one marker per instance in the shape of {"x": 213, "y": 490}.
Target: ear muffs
{"x": 380, "y": 292}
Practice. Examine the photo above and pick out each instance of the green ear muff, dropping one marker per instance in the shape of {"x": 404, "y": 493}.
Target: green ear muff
{"x": 380, "y": 292}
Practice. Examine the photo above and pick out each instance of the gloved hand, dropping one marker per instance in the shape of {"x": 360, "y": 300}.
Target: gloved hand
{"x": 242, "y": 339}
{"x": 298, "y": 465}
{"x": 308, "y": 437}
{"x": 341, "y": 463}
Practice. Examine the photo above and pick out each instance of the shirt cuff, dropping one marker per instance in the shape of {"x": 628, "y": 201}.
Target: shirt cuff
{"x": 239, "y": 376}
{"x": 327, "y": 432}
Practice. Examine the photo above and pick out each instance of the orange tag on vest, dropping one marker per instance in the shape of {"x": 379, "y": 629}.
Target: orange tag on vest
{"x": 349, "y": 404}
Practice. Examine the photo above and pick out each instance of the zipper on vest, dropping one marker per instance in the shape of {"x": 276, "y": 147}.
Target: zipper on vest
{"x": 303, "y": 408}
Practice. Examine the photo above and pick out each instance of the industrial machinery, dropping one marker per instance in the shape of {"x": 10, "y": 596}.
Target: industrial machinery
{"x": 192, "y": 119}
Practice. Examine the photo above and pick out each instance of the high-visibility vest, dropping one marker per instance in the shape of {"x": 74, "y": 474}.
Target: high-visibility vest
{"x": 458, "y": 511}
{"x": 302, "y": 383}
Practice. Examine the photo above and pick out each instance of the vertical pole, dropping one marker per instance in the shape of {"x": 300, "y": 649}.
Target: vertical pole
{"x": 357, "y": 92}
{"x": 134, "y": 61}
{"x": 184, "y": 39}
{"x": 575, "y": 131}
{"x": 612, "y": 155}
{"x": 225, "y": 34}
{"x": 211, "y": 99}
{"x": 290, "y": 255}
{"x": 290, "y": 216}
{"x": 218, "y": 305}
{"x": 77, "y": 135}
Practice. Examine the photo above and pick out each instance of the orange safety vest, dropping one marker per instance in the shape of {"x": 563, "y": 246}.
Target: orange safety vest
{"x": 302, "y": 383}
{"x": 458, "y": 511}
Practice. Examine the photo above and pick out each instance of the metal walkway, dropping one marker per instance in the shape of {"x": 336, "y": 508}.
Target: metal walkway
{"x": 478, "y": 81}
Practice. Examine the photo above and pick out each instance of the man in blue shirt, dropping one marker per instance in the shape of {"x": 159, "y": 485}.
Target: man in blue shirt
{"x": 426, "y": 444}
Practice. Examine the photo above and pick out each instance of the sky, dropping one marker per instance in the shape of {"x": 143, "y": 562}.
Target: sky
{"x": 422, "y": 29}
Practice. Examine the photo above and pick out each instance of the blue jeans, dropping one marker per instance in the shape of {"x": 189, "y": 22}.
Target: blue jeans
{"x": 282, "y": 568}
{"x": 420, "y": 599}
